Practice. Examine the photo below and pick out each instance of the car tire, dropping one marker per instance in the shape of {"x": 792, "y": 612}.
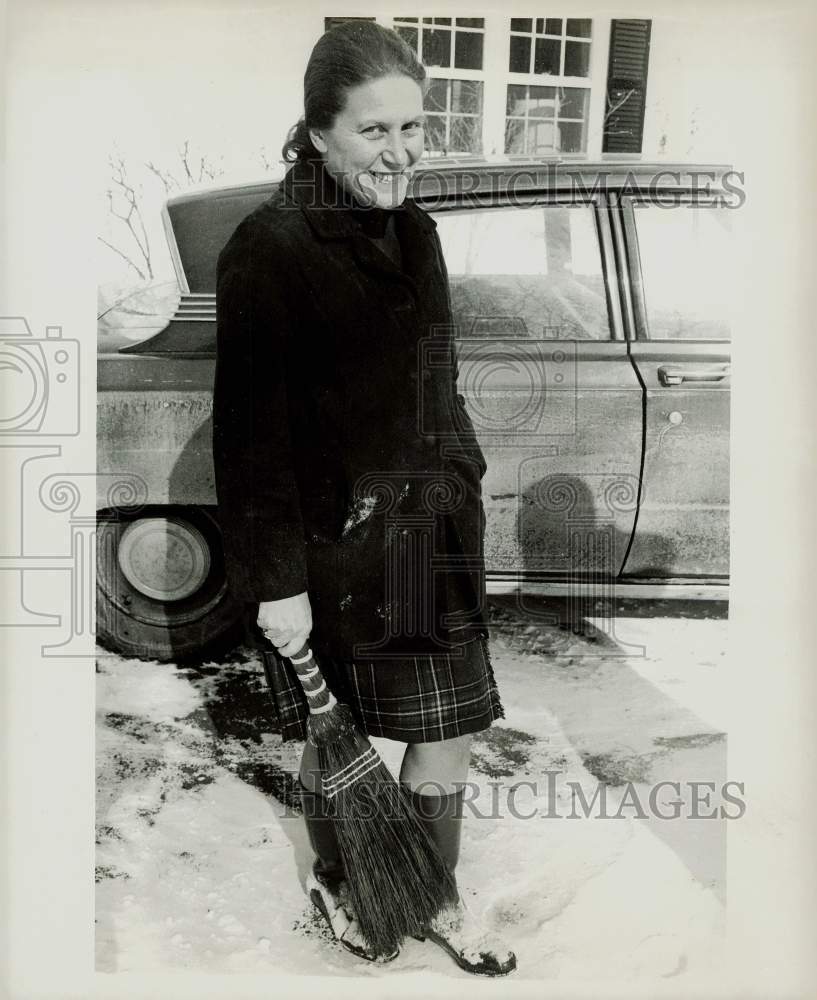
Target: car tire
{"x": 161, "y": 587}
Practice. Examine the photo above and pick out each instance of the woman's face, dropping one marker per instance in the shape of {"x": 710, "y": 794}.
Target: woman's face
{"x": 376, "y": 140}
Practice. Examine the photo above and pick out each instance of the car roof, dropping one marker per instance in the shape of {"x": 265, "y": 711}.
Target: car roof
{"x": 199, "y": 223}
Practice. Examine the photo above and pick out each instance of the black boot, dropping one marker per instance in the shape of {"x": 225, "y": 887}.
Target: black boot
{"x": 442, "y": 818}
{"x": 326, "y": 886}
{"x": 327, "y": 866}
{"x": 456, "y": 930}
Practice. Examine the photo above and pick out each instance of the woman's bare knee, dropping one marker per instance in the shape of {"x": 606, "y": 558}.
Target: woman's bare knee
{"x": 437, "y": 768}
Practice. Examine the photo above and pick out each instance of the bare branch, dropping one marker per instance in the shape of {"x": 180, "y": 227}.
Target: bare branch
{"x": 169, "y": 182}
{"x": 131, "y": 217}
{"x": 124, "y": 257}
{"x": 612, "y": 110}
{"x": 183, "y": 156}
{"x": 265, "y": 160}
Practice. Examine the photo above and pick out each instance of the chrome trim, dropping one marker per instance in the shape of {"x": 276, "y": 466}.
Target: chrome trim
{"x": 623, "y": 270}
{"x": 649, "y": 590}
{"x": 173, "y": 246}
{"x": 196, "y": 307}
{"x": 603, "y": 212}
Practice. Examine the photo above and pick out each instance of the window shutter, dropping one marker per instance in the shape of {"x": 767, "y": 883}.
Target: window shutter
{"x": 626, "y": 86}
{"x": 331, "y": 22}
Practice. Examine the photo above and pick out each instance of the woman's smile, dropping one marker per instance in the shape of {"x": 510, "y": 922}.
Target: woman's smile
{"x": 383, "y": 118}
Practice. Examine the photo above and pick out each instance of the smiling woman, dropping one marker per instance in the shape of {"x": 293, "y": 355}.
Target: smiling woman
{"x": 376, "y": 141}
{"x": 347, "y": 468}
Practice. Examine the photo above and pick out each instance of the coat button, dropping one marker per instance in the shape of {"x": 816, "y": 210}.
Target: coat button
{"x": 429, "y": 439}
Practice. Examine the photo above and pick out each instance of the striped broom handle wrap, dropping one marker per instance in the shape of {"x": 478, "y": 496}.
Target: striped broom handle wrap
{"x": 318, "y": 695}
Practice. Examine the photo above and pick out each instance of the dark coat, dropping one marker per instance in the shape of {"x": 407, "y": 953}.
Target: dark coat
{"x": 339, "y": 438}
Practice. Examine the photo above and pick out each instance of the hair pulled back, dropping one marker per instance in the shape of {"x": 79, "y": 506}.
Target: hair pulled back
{"x": 349, "y": 54}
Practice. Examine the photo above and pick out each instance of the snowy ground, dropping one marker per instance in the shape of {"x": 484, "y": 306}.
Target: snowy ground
{"x": 202, "y": 856}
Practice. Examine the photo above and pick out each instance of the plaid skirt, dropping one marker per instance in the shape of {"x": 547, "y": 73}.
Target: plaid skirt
{"x": 419, "y": 699}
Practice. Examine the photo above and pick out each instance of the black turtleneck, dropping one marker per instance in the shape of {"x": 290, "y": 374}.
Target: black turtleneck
{"x": 373, "y": 221}
{"x": 376, "y": 223}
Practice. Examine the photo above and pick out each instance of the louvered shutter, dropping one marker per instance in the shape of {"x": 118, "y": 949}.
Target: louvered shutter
{"x": 626, "y": 86}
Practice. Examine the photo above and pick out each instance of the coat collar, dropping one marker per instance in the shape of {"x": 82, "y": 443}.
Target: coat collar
{"x": 329, "y": 209}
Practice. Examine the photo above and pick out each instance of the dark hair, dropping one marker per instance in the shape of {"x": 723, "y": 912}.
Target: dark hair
{"x": 349, "y": 54}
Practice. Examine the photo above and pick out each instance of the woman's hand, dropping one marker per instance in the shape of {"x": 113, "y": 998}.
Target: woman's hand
{"x": 286, "y": 623}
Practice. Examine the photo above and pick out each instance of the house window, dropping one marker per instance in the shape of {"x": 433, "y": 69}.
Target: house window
{"x": 444, "y": 42}
{"x": 548, "y": 119}
{"x": 454, "y": 116}
{"x": 452, "y": 49}
{"x": 552, "y": 46}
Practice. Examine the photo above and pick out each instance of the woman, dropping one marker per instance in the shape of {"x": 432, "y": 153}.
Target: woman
{"x": 347, "y": 469}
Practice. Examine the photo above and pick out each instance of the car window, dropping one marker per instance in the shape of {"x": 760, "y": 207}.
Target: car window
{"x": 685, "y": 264}
{"x": 525, "y": 272}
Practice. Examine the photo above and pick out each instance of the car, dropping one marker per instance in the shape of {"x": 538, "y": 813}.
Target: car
{"x": 592, "y": 312}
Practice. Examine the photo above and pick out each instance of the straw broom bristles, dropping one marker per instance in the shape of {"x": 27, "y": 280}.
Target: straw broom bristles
{"x": 398, "y": 880}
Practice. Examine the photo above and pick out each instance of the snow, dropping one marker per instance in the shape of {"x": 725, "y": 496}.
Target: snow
{"x": 201, "y": 857}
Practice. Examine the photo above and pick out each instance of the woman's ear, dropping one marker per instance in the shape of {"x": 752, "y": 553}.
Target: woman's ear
{"x": 317, "y": 140}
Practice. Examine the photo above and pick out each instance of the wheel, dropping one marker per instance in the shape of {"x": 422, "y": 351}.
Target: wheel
{"x": 161, "y": 589}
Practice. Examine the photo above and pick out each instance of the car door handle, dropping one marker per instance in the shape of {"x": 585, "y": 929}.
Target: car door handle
{"x": 670, "y": 375}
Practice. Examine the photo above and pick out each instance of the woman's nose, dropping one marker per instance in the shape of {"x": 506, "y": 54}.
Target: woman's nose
{"x": 395, "y": 154}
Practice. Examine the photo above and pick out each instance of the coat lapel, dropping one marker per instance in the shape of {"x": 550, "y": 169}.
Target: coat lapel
{"x": 325, "y": 206}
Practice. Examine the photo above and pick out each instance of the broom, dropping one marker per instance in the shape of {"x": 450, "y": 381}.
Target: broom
{"x": 398, "y": 881}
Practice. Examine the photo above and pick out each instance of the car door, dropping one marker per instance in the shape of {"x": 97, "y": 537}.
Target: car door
{"x": 554, "y": 399}
{"x": 679, "y": 257}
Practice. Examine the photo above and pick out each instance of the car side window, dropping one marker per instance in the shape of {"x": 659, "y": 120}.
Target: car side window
{"x": 525, "y": 272}
{"x": 685, "y": 265}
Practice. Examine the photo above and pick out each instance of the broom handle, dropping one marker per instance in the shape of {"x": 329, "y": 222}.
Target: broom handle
{"x": 318, "y": 695}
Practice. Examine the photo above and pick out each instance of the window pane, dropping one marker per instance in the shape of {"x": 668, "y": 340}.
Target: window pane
{"x": 468, "y": 50}
{"x": 553, "y": 26}
{"x": 442, "y": 20}
{"x": 436, "y": 48}
{"x": 515, "y": 135}
{"x": 408, "y": 35}
{"x": 413, "y": 20}
{"x": 542, "y": 102}
{"x": 577, "y": 59}
{"x": 466, "y": 135}
{"x": 532, "y": 271}
{"x": 685, "y": 261}
{"x": 520, "y": 55}
{"x": 521, "y": 24}
{"x": 547, "y": 55}
{"x": 579, "y": 26}
{"x": 573, "y": 102}
{"x": 466, "y": 96}
{"x": 517, "y": 97}
{"x": 435, "y": 132}
{"x": 470, "y": 22}
{"x": 540, "y": 137}
{"x": 436, "y": 98}
{"x": 571, "y": 137}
